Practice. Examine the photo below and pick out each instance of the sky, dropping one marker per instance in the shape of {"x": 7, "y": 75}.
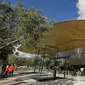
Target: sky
{"x": 59, "y": 10}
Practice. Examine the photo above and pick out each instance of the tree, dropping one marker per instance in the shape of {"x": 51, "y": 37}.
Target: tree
{"x": 21, "y": 25}
{"x": 17, "y": 60}
{"x": 31, "y": 24}
{"x": 20, "y": 60}
{"x": 48, "y": 63}
{"x": 7, "y": 31}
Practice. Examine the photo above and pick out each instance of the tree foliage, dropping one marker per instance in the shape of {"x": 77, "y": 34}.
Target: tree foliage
{"x": 20, "y": 61}
{"x": 21, "y": 25}
{"x": 7, "y": 31}
{"x": 31, "y": 24}
{"x": 17, "y": 60}
{"x": 26, "y": 24}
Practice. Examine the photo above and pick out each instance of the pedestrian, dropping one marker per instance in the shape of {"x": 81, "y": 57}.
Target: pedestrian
{"x": 11, "y": 69}
{"x": 7, "y": 70}
{"x": 3, "y": 70}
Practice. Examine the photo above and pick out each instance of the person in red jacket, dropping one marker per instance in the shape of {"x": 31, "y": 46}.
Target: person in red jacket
{"x": 7, "y": 70}
{"x": 11, "y": 69}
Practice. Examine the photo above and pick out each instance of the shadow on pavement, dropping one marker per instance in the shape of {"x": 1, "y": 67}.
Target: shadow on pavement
{"x": 27, "y": 72}
{"x": 45, "y": 78}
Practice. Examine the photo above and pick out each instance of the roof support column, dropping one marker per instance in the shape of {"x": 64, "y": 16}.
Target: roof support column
{"x": 54, "y": 65}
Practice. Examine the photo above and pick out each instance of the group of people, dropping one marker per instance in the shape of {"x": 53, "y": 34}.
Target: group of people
{"x": 7, "y": 70}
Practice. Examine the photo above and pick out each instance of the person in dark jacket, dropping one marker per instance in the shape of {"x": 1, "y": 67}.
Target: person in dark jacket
{"x": 3, "y": 70}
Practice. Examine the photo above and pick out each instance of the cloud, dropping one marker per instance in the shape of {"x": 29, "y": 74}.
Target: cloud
{"x": 81, "y": 9}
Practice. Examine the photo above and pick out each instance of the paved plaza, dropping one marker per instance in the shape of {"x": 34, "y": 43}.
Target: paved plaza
{"x": 27, "y": 79}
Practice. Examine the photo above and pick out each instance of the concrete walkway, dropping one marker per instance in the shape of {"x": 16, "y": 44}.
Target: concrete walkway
{"x": 79, "y": 80}
{"x": 27, "y": 80}
{"x": 12, "y": 81}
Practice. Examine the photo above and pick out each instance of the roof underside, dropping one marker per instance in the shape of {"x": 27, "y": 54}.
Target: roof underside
{"x": 65, "y": 35}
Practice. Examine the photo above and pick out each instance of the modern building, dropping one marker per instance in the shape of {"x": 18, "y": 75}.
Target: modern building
{"x": 68, "y": 39}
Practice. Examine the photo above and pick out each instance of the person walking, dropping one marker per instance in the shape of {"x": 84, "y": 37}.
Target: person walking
{"x": 7, "y": 70}
{"x": 3, "y": 70}
{"x": 11, "y": 69}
